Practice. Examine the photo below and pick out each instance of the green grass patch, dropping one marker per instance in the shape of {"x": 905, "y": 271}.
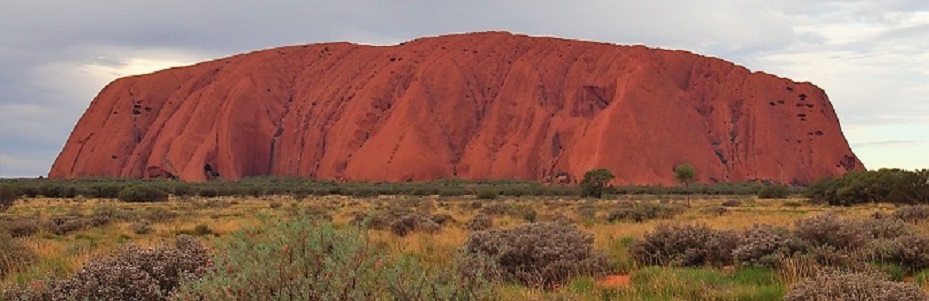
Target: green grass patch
{"x": 666, "y": 283}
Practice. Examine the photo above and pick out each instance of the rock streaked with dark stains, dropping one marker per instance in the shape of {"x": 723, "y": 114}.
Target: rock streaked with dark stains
{"x": 473, "y": 106}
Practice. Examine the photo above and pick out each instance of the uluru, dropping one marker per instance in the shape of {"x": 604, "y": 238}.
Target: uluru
{"x": 491, "y": 105}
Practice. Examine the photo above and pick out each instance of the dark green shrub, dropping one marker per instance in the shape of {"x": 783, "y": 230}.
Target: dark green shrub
{"x": 852, "y": 286}
{"x": 142, "y": 194}
{"x": 363, "y": 192}
{"x": 516, "y": 191}
{"x": 776, "y": 191}
{"x": 884, "y": 185}
{"x": 8, "y": 195}
{"x": 452, "y": 192}
{"x": 684, "y": 245}
{"x": 105, "y": 190}
{"x": 487, "y": 194}
{"x": 595, "y": 181}
{"x": 300, "y": 260}
{"x": 257, "y": 191}
{"x": 539, "y": 254}
{"x": 182, "y": 189}
{"x": 208, "y": 192}
{"x": 132, "y": 273}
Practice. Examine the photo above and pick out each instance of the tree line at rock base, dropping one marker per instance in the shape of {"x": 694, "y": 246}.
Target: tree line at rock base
{"x": 885, "y": 185}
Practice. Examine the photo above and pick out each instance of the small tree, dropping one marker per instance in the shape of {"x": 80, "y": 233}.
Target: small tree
{"x": 686, "y": 174}
{"x": 594, "y": 181}
{"x": 8, "y": 195}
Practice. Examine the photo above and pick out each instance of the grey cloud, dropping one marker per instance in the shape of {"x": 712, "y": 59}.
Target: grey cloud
{"x": 887, "y": 143}
{"x": 43, "y": 43}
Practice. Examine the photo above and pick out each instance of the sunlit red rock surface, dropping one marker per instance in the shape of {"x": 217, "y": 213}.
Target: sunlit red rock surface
{"x": 473, "y": 106}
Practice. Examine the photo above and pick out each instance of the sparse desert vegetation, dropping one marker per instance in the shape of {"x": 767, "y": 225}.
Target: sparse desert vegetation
{"x": 454, "y": 241}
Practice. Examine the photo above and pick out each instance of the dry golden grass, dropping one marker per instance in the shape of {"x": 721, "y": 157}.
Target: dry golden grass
{"x": 64, "y": 254}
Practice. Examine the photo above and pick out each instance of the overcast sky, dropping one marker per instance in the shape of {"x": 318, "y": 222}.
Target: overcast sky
{"x": 871, "y": 57}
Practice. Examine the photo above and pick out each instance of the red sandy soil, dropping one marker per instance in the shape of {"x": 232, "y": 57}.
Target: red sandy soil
{"x": 615, "y": 281}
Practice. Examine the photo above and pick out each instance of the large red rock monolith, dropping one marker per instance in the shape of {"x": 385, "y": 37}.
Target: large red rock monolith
{"x": 472, "y": 106}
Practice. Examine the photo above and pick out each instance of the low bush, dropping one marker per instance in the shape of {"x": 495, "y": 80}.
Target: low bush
{"x": 202, "y": 230}
{"x": 792, "y": 204}
{"x": 8, "y": 195}
{"x": 684, "y": 245}
{"x": 14, "y": 256}
{"x": 132, "y": 273}
{"x": 442, "y": 219}
{"x": 21, "y": 227}
{"x": 413, "y": 223}
{"x": 142, "y": 194}
{"x": 911, "y": 251}
{"x": 853, "y": 286}
{"x": 776, "y": 191}
{"x": 380, "y": 219}
{"x": 208, "y": 192}
{"x": 912, "y": 214}
{"x": 499, "y": 208}
{"x": 715, "y": 210}
{"x": 528, "y": 214}
{"x": 762, "y": 245}
{"x": 719, "y": 247}
{"x": 884, "y": 228}
{"x": 141, "y": 227}
{"x": 587, "y": 211}
{"x": 542, "y": 254}
{"x": 65, "y": 224}
{"x": 487, "y": 194}
{"x": 480, "y": 222}
{"x": 159, "y": 215}
{"x": 732, "y": 203}
{"x": 830, "y": 230}
{"x": 299, "y": 260}
{"x": 644, "y": 212}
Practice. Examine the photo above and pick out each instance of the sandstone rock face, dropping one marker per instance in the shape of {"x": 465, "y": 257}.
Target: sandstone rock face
{"x": 473, "y": 106}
